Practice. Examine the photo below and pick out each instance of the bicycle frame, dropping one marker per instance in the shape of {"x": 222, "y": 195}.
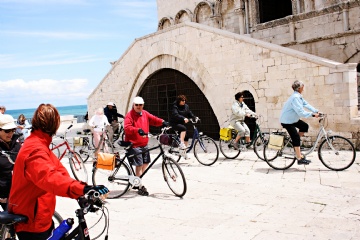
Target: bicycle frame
{"x": 67, "y": 149}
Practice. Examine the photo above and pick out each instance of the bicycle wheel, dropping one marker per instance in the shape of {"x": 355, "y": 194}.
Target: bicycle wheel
{"x": 84, "y": 150}
{"x": 280, "y": 159}
{"x": 78, "y": 167}
{"x": 206, "y": 151}
{"x": 55, "y": 151}
{"x": 97, "y": 224}
{"x": 117, "y": 180}
{"x": 337, "y": 153}
{"x": 259, "y": 144}
{"x": 174, "y": 176}
{"x": 227, "y": 149}
{"x": 173, "y": 150}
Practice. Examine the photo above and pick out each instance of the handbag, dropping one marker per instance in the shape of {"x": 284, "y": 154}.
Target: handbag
{"x": 106, "y": 161}
{"x": 225, "y": 134}
{"x": 165, "y": 139}
{"x": 77, "y": 141}
{"x": 276, "y": 141}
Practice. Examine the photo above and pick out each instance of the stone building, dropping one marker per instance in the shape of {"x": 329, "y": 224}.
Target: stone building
{"x": 209, "y": 50}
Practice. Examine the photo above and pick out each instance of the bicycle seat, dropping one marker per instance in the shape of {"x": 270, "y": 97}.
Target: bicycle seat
{"x": 87, "y": 130}
{"x": 9, "y": 218}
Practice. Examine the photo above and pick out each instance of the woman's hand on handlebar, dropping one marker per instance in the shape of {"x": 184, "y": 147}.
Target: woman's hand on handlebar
{"x": 98, "y": 188}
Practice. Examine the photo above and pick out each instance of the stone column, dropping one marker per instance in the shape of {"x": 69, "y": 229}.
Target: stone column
{"x": 292, "y": 30}
{"x": 346, "y": 19}
{"x": 247, "y": 16}
{"x": 240, "y": 12}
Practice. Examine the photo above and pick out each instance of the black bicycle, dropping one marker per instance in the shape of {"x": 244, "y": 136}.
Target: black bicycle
{"x": 123, "y": 177}
{"x": 205, "y": 148}
{"x": 91, "y": 202}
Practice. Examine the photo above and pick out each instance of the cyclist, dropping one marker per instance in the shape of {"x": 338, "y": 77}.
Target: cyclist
{"x": 112, "y": 115}
{"x": 180, "y": 115}
{"x": 137, "y": 123}
{"x": 8, "y": 143}
{"x": 291, "y": 113}
{"x": 22, "y": 127}
{"x": 239, "y": 111}
{"x": 97, "y": 122}
{"x": 39, "y": 177}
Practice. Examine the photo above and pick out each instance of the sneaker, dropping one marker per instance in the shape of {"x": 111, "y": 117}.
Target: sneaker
{"x": 303, "y": 161}
{"x": 249, "y": 146}
{"x": 236, "y": 146}
{"x": 182, "y": 146}
{"x": 143, "y": 191}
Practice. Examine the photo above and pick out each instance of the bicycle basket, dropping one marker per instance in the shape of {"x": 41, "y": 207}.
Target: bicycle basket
{"x": 276, "y": 141}
{"x": 106, "y": 161}
{"x": 77, "y": 141}
{"x": 165, "y": 139}
{"x": 225, "y": 134}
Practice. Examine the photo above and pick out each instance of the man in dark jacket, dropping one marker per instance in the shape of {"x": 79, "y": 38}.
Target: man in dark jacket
{"x": 112, "y": 115}
{"x": 11, "y": 147}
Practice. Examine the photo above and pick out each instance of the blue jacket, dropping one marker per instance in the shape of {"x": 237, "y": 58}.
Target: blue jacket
{"x": 293, "y": 109}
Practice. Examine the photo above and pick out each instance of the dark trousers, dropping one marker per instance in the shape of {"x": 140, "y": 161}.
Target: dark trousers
{"x": 181, "y": 128}
{"x": 291, "y": 129}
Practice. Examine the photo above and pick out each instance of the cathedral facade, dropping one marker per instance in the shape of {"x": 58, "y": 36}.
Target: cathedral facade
{"x": 209, "y": 50}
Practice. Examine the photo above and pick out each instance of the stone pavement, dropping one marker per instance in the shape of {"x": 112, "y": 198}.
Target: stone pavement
{"x": 238, "y": 199}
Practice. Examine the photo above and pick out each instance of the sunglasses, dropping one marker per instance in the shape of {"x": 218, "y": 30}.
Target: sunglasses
{"x": 9, "y": 130}
{"x": 137, "y": 105}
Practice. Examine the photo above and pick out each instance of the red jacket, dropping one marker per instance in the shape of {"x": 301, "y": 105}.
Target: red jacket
{"x": 134, "y": 121}
{"x": 38, "y": 177}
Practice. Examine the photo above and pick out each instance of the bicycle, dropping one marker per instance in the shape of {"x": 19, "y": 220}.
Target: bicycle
{"x": 87, "y": 149}
{"x": 335, "y": 152}
{"x": 205, "y": 148}
{"x": 258, "y": 141}
{"x": 76, "y": 163}
{"x": 119, "y": 134}
{"x": 123, "y": 177}
{"x": 92, "y": 202}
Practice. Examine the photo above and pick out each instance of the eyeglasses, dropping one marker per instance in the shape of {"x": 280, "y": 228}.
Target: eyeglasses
{"x": 9, "y": 130}
{"x": 182, "y": 100}
{"x": 137, "y": 105}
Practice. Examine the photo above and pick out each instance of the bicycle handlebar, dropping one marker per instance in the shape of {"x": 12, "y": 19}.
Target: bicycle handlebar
{"x": 92, "y": 201}
{"x": 196, "y": 120}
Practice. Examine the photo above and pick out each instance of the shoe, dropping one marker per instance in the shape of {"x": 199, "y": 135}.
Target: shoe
{"x": 136, "y": 188}
{"x": 182, "y": 146}
{"x": 303, "y": 161}
{"x": 249, "y": 146}
{"x": 143, "y": 191}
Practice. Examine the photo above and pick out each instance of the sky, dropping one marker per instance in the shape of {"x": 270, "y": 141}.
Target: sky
{"x": 58, "y": 51}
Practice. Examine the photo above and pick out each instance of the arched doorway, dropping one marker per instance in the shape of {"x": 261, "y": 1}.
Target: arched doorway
{"x": 160, "y": 91}
{"x": 275, "y": 9}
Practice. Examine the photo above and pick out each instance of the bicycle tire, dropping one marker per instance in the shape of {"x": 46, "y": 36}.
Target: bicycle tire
{"x": 174, "y": 176}
{"x": 280, "y": 159}
{"x": 227, "y": 149}
{"x": 259, "y": 144}
{"x": 206, "y": 150}
{"x": 117, "y": 180}
{"x": 84, "y": 151}
{"x": 78, "y": 168}
{"x": 338, "y": 160}
{"x": 172, "y": 150}
{"x": 55, "y": 151}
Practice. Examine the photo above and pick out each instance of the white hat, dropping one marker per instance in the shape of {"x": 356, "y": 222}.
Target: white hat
{"x": 111, "y": 104}
{"x": 138, "y": 100}
{"x": 7, "y": 122}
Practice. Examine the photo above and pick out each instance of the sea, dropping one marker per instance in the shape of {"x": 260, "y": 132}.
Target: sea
{"x": 76, "y": 110}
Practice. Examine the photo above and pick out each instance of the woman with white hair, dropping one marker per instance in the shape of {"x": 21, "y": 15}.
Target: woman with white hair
{"x": 291, "y": 113}
{"x": 98, "y": 122}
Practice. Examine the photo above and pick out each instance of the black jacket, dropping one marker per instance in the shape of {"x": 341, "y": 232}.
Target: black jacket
{"x": 112, "y": 114}
{"x": 6, "y": 166}
{"x": 179, "y": 113}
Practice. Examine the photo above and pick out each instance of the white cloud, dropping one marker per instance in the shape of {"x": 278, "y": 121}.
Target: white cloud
{"x": 20, "y": 94}
{"x": 54, "y": 35}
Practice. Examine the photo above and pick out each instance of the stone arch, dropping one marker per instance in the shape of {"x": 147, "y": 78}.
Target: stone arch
{"x": 184, "y": 15}
{"x": 165, "y": 22}
{"x": 229, "y": 18}
{"x": 160, "y": 90}
{"x": 203, "y": 13}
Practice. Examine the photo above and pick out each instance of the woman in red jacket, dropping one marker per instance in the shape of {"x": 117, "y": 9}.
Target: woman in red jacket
{"x": 39, "y": 177}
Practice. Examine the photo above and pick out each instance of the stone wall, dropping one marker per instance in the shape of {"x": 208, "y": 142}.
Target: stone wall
{"x": 222, "y": 63}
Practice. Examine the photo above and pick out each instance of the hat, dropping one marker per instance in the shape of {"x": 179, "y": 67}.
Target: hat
{"x": 138, "y": 100}
{"x": 111, "y": 104}
{"x": 7, "y": 122}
